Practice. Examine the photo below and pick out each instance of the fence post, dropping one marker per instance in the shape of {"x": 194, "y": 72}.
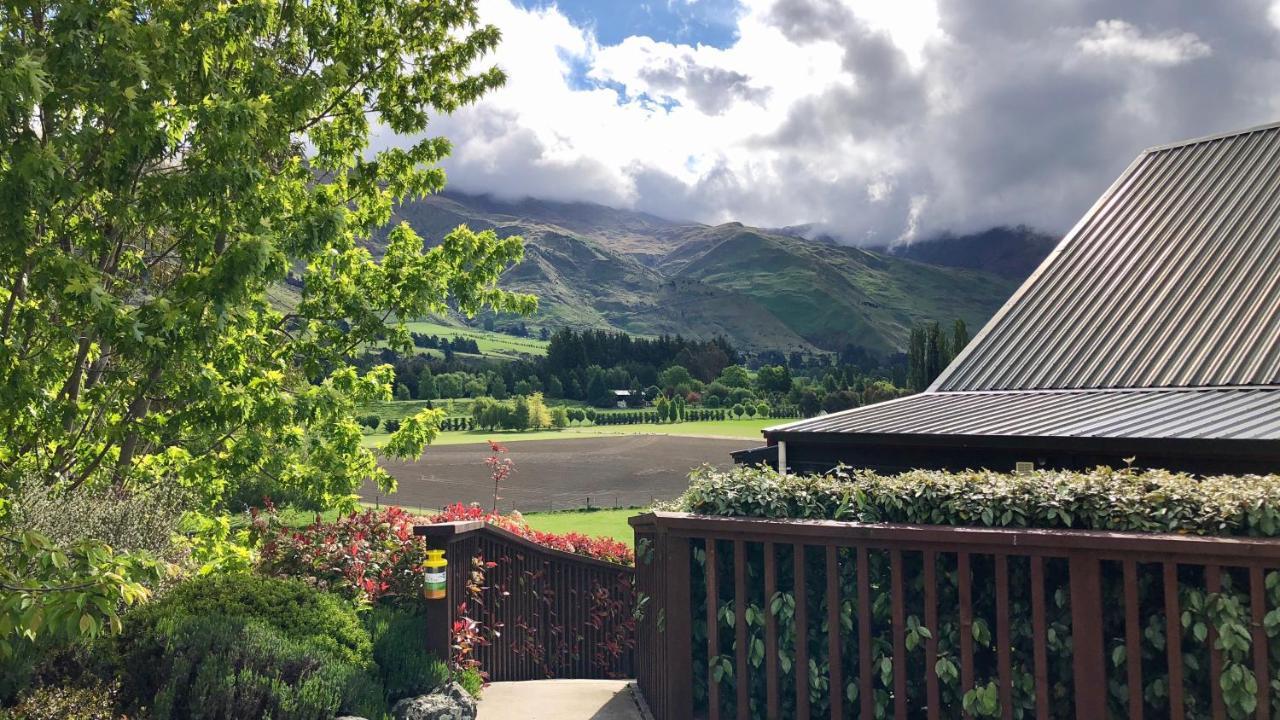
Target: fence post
{"x": 437, "y": 612}
{"x": 1088, "y": 658}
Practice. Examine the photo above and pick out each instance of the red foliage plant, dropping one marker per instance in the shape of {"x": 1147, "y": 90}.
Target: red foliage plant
{"x": 369, "y": 556}
{"x": 600, "y": 548}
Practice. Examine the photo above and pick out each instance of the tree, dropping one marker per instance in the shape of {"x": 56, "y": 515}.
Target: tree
{"x": 735, "y": 376}
{"x": 750, "y": 410}
{"x": 773, "y": 379}
{"x": 539, "y": 414}
{"x": 520, "y": 418}
{"x": 402, "y": 392}
{"x": 959, "y": 338}
{"x": 737, "y": 410}
{"x": 163, "y": 167}
{"x": 559, "y": 416}
{"x": 426, "y": 384}
{"x": 674, "y": 377}
{"x": 663, "y": 407}
{"x": 598, "y": 393}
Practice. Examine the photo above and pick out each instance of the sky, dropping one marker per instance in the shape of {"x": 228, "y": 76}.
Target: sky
{"x": 876, "y": 121}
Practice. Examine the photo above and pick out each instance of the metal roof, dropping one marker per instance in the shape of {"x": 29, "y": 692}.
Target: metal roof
{"x": 1171, "y": 280}
{"x": 1157, "y": 316}
{"x": 1221, "y": 413}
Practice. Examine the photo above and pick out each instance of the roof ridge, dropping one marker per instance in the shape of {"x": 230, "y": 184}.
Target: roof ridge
{"x": 1214, "y": 136}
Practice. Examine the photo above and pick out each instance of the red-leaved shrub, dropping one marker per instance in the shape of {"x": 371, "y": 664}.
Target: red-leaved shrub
{"x": 600, "y": 548}
{"x": 368, "y": 556}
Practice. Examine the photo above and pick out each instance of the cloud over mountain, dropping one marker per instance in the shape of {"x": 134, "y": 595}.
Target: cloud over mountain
{"x": 875, "y": 121}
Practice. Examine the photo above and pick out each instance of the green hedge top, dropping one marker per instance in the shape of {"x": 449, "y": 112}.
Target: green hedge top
{"x": 1100, "y": 499}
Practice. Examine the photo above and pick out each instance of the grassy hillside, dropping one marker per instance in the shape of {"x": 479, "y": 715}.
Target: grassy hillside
{"x": 492, "y": 344}
{"x": 592, "y": 266}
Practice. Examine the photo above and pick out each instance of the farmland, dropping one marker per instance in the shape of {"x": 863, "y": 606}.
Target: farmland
{"x": 607, "y": 472}
{"x": 746, "y": 429}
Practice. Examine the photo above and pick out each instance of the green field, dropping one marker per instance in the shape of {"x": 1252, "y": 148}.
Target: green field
{"x": 748, "y": 428}
{"x": 491, "y": 344}
{"x": 598, "y": 523}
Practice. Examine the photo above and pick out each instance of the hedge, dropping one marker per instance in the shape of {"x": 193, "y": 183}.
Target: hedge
{"x": 1101, "y": 499}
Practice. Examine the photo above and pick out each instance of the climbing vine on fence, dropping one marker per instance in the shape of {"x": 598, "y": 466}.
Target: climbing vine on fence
{"x": 1110, "y": 499}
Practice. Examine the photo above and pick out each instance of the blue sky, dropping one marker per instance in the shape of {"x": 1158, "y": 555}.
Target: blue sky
{"x": 707, "y": 22}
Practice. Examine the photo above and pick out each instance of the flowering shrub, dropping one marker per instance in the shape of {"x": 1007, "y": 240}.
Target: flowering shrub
{"x": 368, "y": 556}
{"x": 600, "y": 548}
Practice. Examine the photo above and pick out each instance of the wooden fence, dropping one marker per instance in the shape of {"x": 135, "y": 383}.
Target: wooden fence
{"x": 537, "y": 612}
{"x": 1086, "y": 625}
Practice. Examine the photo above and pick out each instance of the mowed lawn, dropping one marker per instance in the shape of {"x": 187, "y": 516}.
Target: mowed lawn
{"x": 597, "y": 523}
{"x": 748, "y": 428}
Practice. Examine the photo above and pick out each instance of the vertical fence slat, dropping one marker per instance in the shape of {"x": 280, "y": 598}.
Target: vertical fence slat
{"x": 802, "y": 634}
{"x": 966, "y": 624}
{"x": 864, "y": 632}
{"x": 1088, "y": 660}
{"x": 1258, "y": 609}
{"x": 932, "y": 695}
{"x": 741, "y": 682}
{"x": 1003, "y": 663}
{"x": 1040, "y": 638}
{"x": 713, "y": 631}
{"x": 834, "y": 668}
{"x": 1132, "y": 640}
{"x": 1213, "y": 584}
{"x": 678, "y": 615}
{"x": 1173, "y": 640}
{"x": 770, "y": 634}
{"x": 899, "y": 613}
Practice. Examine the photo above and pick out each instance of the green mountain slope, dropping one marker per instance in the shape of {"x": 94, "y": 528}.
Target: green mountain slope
{"x": 599, "y": 267}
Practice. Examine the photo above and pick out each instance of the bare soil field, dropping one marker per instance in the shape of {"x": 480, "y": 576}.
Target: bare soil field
{"x": 558, "y": 474}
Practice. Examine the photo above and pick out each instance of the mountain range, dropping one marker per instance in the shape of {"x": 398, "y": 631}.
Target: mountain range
{"x": 602, "y": 267}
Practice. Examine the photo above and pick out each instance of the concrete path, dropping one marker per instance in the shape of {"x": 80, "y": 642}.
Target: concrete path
{"x": 560, "y": 700}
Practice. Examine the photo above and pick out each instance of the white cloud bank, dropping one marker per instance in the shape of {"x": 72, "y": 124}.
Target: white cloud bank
{"x": 875, "y": 120}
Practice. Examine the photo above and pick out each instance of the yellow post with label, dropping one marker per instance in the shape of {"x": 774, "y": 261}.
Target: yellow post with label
{"x": 437, "y": 575}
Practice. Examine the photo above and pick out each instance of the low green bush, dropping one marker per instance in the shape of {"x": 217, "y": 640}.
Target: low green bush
{"x": 400, "y": 651}
{"x": 472, "y": 681}
{"x": 1100, "y": 499}
{"x": 292, "y": 607}
{"x": 215, "y": 667}
{"x": 238, "y": 646}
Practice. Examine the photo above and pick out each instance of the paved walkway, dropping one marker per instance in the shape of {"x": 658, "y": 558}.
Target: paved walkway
{"x": 559, "y": 700}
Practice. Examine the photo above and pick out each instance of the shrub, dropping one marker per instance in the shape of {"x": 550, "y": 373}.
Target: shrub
{"x": 472, "y": 681}
{"x": 214, "y": 666}
{"x": 1100, "y": 499}
{"x": 293, "y": 608}
{"x": 364, "y": 556}
{"x": 127, "y": 520}
{"x": 93, "y": 701}
{"x": 600, "y": 548}
{"x": 400, "y": 651}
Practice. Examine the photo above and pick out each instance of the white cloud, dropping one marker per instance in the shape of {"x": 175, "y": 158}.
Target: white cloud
{"x": 1119, "y": 39}
{"x": 875, "y": 120}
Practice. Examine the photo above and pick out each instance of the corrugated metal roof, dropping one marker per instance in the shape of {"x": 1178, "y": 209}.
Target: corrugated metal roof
{"x": 1218, "y": 413}
{"x": 1171, "y": 280}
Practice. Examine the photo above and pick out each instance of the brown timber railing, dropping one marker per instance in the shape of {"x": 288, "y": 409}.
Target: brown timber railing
{"x": 1027, "y": 622}
{"x": 537, "y": 612}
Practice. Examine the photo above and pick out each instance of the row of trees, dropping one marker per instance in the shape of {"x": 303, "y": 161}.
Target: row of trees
{"x": 930, "y": 349}
{"x": 521, "y": 413}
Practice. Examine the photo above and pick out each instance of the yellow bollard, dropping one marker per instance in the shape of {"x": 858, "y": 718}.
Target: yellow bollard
{"x": 437, "y": 575}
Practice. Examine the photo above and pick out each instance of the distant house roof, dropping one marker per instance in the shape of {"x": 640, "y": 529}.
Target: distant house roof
{"x": 1157, "y": 316}
{"x": 622, "y": 393}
